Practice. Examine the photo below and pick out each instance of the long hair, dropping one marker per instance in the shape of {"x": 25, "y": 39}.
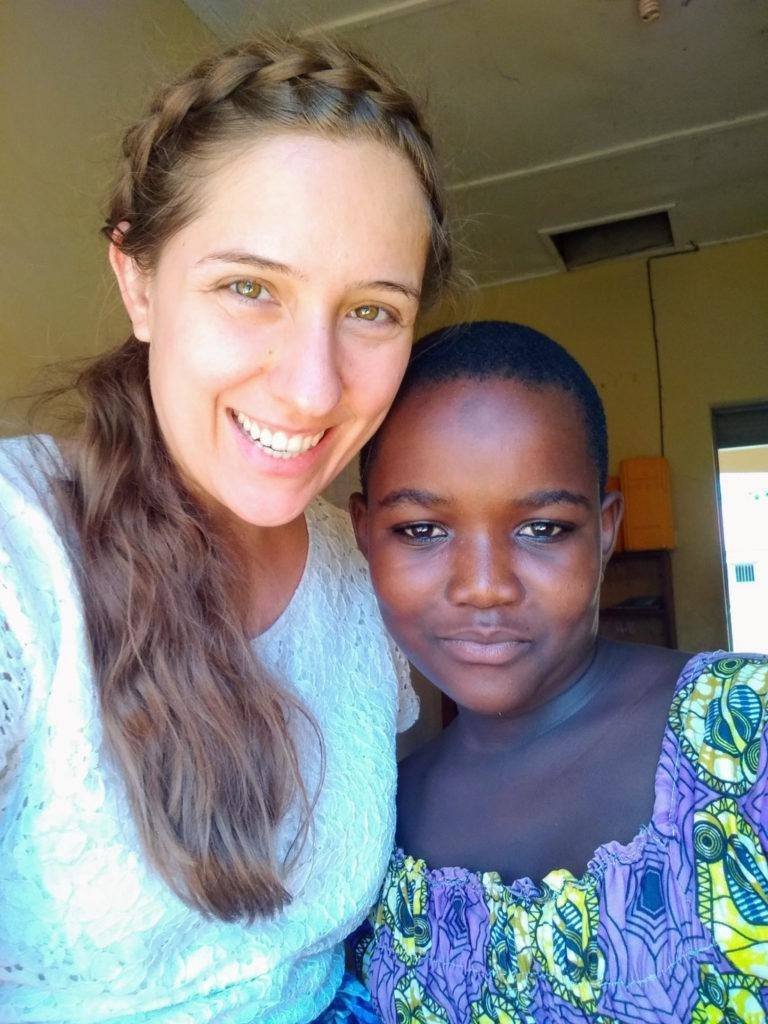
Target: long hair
{"x": 201, "y": 735}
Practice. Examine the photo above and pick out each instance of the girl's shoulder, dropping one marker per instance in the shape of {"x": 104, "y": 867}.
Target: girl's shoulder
{"x": 718, "y": 717}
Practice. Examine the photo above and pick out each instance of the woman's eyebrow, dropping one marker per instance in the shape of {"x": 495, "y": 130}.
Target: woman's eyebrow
{"x": 393, "y": 286}
{"x": 539, "y": 499}
{"x": 253, "y": 260}
{"x": 411, "y": 496}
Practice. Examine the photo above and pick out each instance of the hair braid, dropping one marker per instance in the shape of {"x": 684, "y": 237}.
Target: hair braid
{"x": 291, "y": 85}
{"x": 209, "y": 779}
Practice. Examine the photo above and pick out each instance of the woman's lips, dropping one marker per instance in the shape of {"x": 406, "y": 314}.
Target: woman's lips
{"x": 484, "y": 648}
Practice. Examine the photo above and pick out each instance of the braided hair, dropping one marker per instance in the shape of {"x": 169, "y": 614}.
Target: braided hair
{"x": 198, "y": 731}
{"x": 271, "y": 84}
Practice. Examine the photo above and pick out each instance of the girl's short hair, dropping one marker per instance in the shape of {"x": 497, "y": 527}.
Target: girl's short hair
{"x": 499, "y": 350}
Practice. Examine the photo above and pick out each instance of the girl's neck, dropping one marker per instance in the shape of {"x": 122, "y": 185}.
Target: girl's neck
{"x": 483, "y": 733}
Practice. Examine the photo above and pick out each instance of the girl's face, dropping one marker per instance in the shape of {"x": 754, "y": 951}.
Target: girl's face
{"x": 486, "y": 539}
{"x": 280, "y": 319}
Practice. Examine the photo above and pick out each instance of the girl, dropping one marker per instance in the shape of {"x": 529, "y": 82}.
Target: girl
{"x": 192, "y": 667}
{"x": 585, "y": 842}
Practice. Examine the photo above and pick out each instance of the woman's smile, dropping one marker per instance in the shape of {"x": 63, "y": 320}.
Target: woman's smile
{"x": 279, "y": 328}
{"x": 282, "y": 444}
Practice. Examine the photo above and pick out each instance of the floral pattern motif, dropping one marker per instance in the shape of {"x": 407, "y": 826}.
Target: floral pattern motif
{"x": 669, "y": 929}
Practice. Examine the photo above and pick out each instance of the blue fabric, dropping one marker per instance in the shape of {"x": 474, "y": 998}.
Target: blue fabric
{"x": 351, "y": 1005}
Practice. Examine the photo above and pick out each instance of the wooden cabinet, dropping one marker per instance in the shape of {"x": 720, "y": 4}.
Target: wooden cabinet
{"x": 636, "y": 602}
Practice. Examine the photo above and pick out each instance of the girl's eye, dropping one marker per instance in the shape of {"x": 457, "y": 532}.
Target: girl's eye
{"x": 248, "y": 289}
{"x": 544, "y": 530}
{"x": 374, "y": 314}
{"x": 420, "y": 533}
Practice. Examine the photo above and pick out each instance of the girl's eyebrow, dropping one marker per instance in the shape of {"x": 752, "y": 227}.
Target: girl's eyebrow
{"x": 411, "y": 496}
{"x": 539, "y": 499}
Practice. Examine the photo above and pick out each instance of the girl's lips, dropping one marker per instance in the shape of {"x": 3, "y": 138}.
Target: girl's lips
{"x": 479, "y": 650}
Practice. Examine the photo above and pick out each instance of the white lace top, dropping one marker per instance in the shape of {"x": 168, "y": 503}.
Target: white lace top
{"x": 87, "y": 931}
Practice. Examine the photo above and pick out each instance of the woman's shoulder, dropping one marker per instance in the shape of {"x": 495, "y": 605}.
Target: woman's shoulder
{"x": 334, "y": 554}
{"x": 332, "y": 524}
{"x": 32, "y": 561}
{"x": 26, "y": 464}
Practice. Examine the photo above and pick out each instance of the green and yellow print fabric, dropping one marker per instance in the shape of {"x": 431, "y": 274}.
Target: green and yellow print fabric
{"x": 727, "y": 999}
{"x": 672, "y": 929}
{"x": 732, "y": 883}
{"x": 719, "y": 719}
{"x": 565, "y": 922}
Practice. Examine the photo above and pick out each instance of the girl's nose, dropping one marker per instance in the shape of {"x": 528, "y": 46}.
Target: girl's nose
{"x": 305, "y": 373}
{"x": 484, "y": 575}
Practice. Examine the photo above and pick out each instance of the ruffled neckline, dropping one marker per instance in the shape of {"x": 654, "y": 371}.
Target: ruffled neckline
{"x": 525, "y": 890}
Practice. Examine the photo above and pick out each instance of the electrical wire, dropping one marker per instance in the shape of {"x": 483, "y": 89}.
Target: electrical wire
{"x": 692, "y": 247}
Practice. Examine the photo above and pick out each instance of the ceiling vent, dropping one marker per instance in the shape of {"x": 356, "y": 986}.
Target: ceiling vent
{"x": 578, "y": 247}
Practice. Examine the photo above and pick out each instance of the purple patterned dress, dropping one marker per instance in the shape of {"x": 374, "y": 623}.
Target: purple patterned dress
{"x": 672, "y": 927}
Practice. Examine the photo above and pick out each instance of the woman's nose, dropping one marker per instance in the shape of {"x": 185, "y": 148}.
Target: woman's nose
{"x": 484, "y": 575}
{"x": 305, "y": 374}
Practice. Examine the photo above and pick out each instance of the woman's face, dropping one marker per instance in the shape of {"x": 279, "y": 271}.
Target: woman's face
{"x": 486, "y": 539}
{"x": 279, "y": 321}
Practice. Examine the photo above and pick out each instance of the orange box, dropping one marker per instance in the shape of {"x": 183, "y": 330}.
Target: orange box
{"x": 647, "y": 503}
{"x": 612, "y": 483}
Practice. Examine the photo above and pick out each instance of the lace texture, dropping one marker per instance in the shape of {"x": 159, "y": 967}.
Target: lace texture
{"x": 87, "y": 931}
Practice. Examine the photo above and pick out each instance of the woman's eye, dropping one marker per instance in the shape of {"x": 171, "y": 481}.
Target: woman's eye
{"x": 248, "y": 289}
{"x": 543, "y": 530}
{"x": 421, "y": 532}
{"x": 372, "y": 313}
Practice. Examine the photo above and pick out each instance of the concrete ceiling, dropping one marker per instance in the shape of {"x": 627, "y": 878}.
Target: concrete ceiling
{"x": 560, "y": 113}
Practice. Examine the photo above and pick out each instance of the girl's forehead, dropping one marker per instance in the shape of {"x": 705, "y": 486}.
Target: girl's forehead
{"x": 499, "y": 403}
{"x": 479, "y": 426}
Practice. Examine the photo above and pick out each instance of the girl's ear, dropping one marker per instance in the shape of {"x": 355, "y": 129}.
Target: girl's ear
{"x": 611, "y": 513}
{"x": 358, "y": 510}
{"x": 133, "y": 283}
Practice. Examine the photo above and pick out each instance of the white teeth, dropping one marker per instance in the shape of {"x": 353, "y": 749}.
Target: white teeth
{"x": 278, "y": 444}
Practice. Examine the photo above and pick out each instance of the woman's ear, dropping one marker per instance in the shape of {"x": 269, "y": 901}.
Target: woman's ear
{"x": 358, "y": 510}
{"x": 611, "y": 513}
{"x": 133, "y": 283}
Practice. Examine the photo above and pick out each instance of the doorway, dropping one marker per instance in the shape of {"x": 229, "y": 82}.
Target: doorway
{"x": 741, "y": 448}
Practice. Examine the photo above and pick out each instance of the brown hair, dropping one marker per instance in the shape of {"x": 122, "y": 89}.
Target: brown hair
{"x": 199, "y": 732}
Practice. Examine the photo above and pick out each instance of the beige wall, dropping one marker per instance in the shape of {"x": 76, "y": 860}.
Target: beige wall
{"x": 712, "y": 323}
{"x": 72, "y": 77}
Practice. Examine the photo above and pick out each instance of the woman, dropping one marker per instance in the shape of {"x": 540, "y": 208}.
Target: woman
{"x": 191, "y": 819}
{"x": 586, "y": 842}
